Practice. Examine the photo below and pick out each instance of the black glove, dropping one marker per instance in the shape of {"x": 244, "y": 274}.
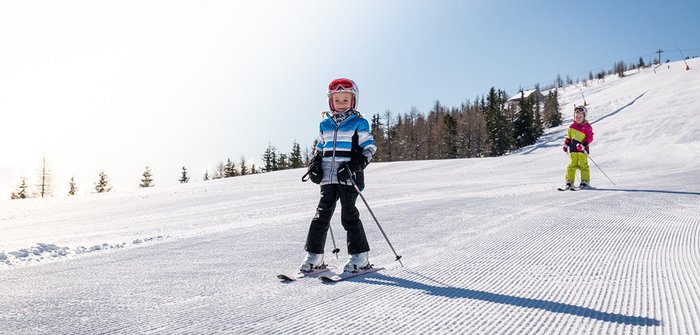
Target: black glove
{"x": 358, "y": 162}
{"x": 344, "y": 171}
{"x": 315, "y": 171}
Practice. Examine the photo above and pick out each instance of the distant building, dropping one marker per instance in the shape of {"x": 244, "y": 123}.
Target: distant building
{"x": 535, "y": 94}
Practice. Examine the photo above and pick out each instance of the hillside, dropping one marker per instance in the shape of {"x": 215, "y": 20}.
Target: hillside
{"x": 489, "y": 245}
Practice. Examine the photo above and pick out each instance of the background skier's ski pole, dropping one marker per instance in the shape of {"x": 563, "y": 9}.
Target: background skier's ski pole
{"x": 335, "y": 248}
{"x": 398, "y": 258}
{"x": 601, "y": 170}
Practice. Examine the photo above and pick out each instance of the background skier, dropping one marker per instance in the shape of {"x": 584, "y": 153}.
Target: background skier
{"x": 578, "y": 137}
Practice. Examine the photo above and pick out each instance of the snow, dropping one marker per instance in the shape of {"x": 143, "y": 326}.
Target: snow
{"x": 489, "y": 245}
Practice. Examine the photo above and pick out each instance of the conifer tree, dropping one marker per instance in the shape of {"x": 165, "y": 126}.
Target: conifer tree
{"x": 244, "y": 167}
{"x": 499, "y": 130}
{"x": 538, "y": 125}
{"x": 295, "y": 159}
{"x": 450, "y": 142}
{"x": 147, "y": 178}
{"x": 185, "y": 178}
{"x": 523, "y": 125}
{"x": 72, "y": 188}
{"x": 21, "y": 192}
{"x": 230, "y": 169}
{"x": 102, "y": 184}
{"x": 270, "y": 159}
{"x": 282, "y": 162}
{"x": 206, "y": 175}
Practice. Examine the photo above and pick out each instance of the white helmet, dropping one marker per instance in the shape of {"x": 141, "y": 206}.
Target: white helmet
{"x": 343, "y": 85}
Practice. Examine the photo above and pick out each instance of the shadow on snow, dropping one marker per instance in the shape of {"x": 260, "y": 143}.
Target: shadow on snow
{"x": 456, "y": 292}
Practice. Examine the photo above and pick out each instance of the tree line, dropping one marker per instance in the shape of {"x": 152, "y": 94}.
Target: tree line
{"x": 273, "y": 160}
{"x": 490, "y": 126}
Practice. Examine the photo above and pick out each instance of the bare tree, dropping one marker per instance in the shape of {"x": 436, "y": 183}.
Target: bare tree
{"x": 44, "y": 188}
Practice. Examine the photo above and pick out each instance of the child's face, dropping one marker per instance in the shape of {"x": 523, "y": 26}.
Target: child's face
{"x": 578, "y": 117}
{"x": 342, "y": 101}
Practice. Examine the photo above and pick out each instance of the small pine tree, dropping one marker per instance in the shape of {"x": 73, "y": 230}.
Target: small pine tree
{"x": 270, "y": 159}
{"x": 102, "y": 184}
{"x": 244, "y": 168}
{"x": 206, "y": 175}
{"x": 295, "y": 159}
{"x": 72, "y": 188}
{"x": 253, "y": 170}
{"x": 230, "y": 169}
{"x": 21, "y": 192}
{"x": 282, "y": 162}
{"x": 147, "y": 180}
{"x": 184, "y": 178}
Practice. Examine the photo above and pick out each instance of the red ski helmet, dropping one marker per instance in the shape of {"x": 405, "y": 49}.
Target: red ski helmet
{"x": 343, "y": 85}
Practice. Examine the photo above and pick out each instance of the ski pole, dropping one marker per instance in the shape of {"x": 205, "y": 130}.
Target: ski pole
{"x": 398, "y": 257}
{"x": 335, "y": 248}
{"x": 601, "y": 170}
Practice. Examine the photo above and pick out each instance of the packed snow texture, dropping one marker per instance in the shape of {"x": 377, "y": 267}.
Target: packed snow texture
{"x": 489, "y": 245}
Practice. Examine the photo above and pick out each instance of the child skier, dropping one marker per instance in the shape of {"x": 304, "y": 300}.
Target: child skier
{"x": 345, "y": 147}
{"x": 578, "y": 137}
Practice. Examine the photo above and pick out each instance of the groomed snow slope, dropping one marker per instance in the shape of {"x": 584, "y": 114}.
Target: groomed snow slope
{"x": 489, "y": 245}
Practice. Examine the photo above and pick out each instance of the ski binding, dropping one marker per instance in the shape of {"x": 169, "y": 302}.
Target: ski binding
{"x": 299, "y": 275}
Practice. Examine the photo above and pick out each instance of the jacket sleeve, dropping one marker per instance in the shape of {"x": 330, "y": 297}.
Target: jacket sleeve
{"x": 589, "y": 134}
{"x": 366, "y": 140}
{"x": 319, "y": 141}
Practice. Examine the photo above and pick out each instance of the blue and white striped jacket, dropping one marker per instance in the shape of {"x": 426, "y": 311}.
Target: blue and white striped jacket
{"x": 335, "y": 143}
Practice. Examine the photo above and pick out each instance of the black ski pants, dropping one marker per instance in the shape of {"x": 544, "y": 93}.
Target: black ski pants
{"x": 349, "y": 217}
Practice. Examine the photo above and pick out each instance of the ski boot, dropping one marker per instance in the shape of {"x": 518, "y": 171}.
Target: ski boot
{"x": 584, "y": 185}
{"x": 357, "y": 262}
{"x": 312, "y": 262}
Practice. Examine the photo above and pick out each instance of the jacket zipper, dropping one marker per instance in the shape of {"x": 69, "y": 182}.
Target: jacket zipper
{"x": 335, "y": 142}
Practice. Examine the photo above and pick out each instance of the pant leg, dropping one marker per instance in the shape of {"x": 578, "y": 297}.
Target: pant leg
{"x": 571, "y": 169}
{"x": 316, "y": 238}
{"x": 350, "y": 218}
{"x": 585, "y": 170}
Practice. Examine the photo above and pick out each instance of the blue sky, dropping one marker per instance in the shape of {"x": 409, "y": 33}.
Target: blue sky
{"x": 119, "y": 85}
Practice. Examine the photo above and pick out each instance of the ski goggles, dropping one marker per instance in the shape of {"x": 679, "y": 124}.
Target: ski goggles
{"x": 342, "y": 84}
{"x": 580, "y": 109}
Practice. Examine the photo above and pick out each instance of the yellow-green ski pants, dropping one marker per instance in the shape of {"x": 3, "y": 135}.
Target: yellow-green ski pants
{"x": 578, "y": 160}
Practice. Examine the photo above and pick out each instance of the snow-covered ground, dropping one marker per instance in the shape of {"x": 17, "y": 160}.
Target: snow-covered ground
{"x": 489, "y": 245}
